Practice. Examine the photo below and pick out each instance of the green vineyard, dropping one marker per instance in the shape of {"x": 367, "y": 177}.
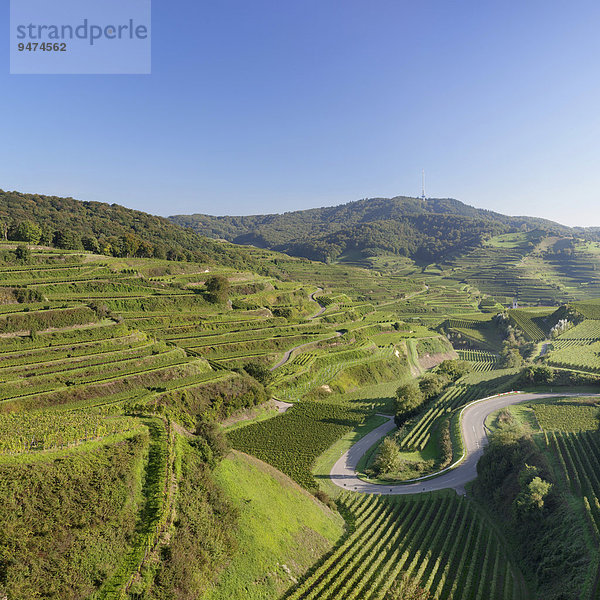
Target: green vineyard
{"x": 461, "y": 393}
{"x": 480, "y": 360}
{"x": 441, "y": 541}
{"x": 579, "y": 456}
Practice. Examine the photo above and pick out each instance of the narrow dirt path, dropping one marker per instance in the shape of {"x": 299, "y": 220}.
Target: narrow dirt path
{"x": 282, "y": 406}
{"x": 288, "y": 353}
{"x": 322, "y": 309}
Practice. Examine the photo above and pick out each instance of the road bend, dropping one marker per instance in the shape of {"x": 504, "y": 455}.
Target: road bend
{"x": 455, "y": 477}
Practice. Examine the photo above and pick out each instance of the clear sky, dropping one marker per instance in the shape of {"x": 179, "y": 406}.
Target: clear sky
{"x": 267, "y": 106}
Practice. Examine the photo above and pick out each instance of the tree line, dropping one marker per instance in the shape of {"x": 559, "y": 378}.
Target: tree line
{"x": 109, "y": 229}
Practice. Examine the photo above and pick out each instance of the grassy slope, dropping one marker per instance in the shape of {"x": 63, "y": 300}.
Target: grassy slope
{"x": 275, "y": 543}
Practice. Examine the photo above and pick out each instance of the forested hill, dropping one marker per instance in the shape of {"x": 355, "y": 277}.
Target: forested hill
{"x": 422, "y": 229}
{"x": 108, "y": 229}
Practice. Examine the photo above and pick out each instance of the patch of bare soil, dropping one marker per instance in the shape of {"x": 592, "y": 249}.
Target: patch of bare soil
{"x": 428, "y": 361}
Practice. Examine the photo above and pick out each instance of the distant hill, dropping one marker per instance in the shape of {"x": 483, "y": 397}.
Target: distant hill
{"x": 428, "y": 230}
{"x": 109, "y": 229}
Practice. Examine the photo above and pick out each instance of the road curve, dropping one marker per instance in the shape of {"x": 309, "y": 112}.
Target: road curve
{"x": 322, "y": 308}
{"x": 474, "y": 437}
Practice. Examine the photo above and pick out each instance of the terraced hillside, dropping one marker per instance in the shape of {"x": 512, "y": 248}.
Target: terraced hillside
{"x": 105, "y": 359}
{"x": 115, "y": 373}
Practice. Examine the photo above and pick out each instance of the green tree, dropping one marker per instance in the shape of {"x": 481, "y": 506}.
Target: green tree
{"x": 145, "y": 250}
{"x": 217, "y": 287}
{"x": 67, "y": 239}
{"x": 455, "y": 369}
{"x": 90, "y": 243}
{"x": 408, "y": 398}
{"x": 528, "y": 472}
{"x": 261, "y": 373}
{"x": 539, "y": 374}
{"x": 388, "y": 459}
{"x": 531, "y": 499}
{"x": 129, "y": 244}
{"x": 23, "y": 253}
{"x": 27, "y": 231}
{"x": 47, "y": 235}
{"x": 432, "y": 384}
{"x": 511, "y": 358}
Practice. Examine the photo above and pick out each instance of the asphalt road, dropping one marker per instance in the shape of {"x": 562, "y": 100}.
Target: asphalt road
{"x": 474, "y": 436}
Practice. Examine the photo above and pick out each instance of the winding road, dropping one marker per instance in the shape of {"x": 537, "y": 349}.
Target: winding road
{"x": 455, "y": 477}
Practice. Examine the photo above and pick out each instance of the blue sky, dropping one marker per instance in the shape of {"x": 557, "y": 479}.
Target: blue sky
{"x": 269, "y": 106}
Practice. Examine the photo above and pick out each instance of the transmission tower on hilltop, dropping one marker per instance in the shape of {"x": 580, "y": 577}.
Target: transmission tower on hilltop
{"x": 423, "y": 197}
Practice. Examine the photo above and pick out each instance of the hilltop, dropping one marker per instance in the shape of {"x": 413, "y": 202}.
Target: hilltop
{"x": 535, "y": 260}
{"x": 109, "y": 229}
{"x": 429, "y": 230}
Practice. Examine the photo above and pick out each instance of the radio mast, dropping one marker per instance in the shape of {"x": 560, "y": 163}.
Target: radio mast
{"x": 423, "y": 197}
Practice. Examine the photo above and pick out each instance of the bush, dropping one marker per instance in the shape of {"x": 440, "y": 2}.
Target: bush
{"x": 454, "y": 369}
{"x": 23, "y": 253}
{"x": 24, "y": 295}
{"x": 210, "y": 442}
{"x": 325, "y": 499}
{"x": 432, "y": 384}
{"x": 261, "y": 373}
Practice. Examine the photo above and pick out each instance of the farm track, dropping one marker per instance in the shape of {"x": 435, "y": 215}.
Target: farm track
{"x": 474, "y": 435}
{"x": 322, "y": 309}
{"x": 288, "y": 353}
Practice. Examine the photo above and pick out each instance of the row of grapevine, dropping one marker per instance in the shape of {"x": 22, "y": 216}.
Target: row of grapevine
{"x": 589, "y": 309}
{"x": 480, "y": 360}
{"x": 96, "y": 373}
{"x": 567, "y": 417}
{"x": 561, "y": 343}
{"x": 455, "y": 323}
{"x": 155, "y": 516}
{"x": 25, "y": 432}
{"x": 441, "y": 541}
{"x": 297, "y": 385}
{"x": 213, "y": 338}
{"x": 531, "y": 324}
{"x": 579, "y": 456}
{"x": 588, "y": 329}
{"x": 580, "y": 357}
{"x": 454, "y": 397}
